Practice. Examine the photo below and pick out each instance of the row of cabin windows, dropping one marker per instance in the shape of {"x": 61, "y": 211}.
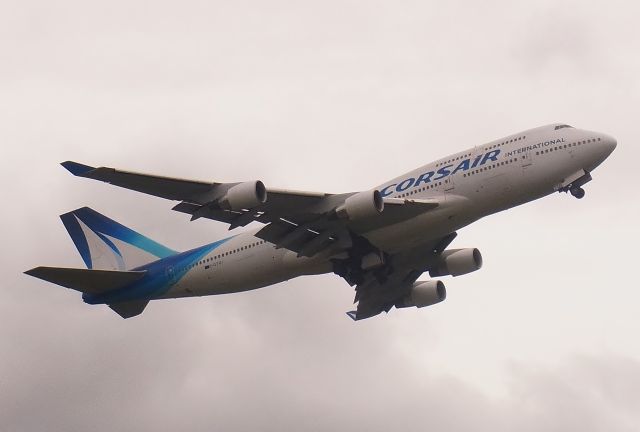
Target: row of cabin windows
{"x": 224, "y": 254}
{"x": 468, "y": 155}
{"x": 489, "y": 167}
{"x": 505, "y": 142}
{"x": 464, "y": 156}
{"x": 485, "y": 168}
{"x": 564, "y": 146}
{"x": 422, "y": 189}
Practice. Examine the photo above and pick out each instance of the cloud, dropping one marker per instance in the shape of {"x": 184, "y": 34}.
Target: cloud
{"x": 332, "y": 97}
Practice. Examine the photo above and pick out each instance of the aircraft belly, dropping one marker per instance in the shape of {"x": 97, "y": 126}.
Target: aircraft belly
{"x": 249, "y": 272}
{"x": 456, "y": 213}
{"x": 539, "y": 179}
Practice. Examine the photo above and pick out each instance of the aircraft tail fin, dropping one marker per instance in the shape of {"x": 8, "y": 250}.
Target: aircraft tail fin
{"x": 104, "y": 244}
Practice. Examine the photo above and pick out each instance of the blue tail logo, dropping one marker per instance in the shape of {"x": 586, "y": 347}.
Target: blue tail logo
{"x": 104, "y": 244}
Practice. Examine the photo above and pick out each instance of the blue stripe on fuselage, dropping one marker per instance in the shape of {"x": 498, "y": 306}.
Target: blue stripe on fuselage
{"x": 157, "y": 281}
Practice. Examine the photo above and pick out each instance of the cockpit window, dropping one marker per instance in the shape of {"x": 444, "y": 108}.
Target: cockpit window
{"x": 562, "y": 127}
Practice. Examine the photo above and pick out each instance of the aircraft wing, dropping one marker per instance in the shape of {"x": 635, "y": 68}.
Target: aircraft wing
{"x": 375, "y": 295}
{"x": 304, "y": 222}
{"x": 177, "y": 189}
{"x": 381, "y": 289}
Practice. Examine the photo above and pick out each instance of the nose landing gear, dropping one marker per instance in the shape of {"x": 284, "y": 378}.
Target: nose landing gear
{"x": 574, "y": 183}
{"x": 577, "y": 192}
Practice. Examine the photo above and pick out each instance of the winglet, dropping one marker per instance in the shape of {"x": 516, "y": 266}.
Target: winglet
{"x": 77, "y": 169}
{"x": 352, "y": 315}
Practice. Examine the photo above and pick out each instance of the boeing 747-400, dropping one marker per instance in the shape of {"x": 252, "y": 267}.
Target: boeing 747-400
{"x": 379, "y": 240}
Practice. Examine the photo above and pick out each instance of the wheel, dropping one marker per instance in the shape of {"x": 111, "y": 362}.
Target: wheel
{"x": 577, "y": 192}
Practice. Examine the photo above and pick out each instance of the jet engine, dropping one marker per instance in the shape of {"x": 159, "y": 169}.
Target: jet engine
{"x": 361, "y": 205}
{"x": 424, "y": 294}
{"x": 244, "y": 196}
{"x": 456, "y": 262}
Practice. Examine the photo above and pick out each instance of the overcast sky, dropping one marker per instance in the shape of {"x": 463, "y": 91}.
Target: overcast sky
{"x": 331, "y": 96}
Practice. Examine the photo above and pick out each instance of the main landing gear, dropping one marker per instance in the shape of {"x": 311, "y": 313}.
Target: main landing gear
{"x": 577, "y": 192}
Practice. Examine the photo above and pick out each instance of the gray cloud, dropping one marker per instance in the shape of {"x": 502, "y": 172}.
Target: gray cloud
{"x": 335, "y": 96}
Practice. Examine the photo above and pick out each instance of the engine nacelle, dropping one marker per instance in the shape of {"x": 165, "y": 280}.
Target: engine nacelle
{"x": 424, "y": 294}
{"x": 244, "y": 196}
{"x": 456, "y": 262}
{"x": 361, "y": 205}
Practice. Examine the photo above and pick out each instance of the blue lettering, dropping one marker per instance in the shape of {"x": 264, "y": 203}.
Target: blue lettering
{"x": 385, "y": 191}
{"x": 491, "y": 156}
{"x": 444, "y": 171}
{"x": 475, "y": 161}
{"x": 405, "y": 184}
{"x": 424, "y": 178}
{"x": 464, "y": 165}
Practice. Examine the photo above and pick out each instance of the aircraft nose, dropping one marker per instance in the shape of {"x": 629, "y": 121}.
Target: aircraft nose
{"x": 609, "y": 143}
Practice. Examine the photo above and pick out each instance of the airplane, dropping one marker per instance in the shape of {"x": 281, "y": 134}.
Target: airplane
{"x": 379, "y": 240}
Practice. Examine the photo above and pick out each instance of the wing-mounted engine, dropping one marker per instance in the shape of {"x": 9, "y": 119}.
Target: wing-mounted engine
{"x": 234, "y": 203}
{"x": 424, "y": 294}
{"x": 361, "y": 205}
{"x": 456, "y": 262}
{"x": 245, "y": 195}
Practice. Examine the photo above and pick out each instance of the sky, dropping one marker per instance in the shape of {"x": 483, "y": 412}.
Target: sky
{"x": 332, "y": 96}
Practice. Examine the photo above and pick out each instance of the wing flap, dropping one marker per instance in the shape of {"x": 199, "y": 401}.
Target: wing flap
{"x": 197, "y": 211}
{"x": 424, "y": 203}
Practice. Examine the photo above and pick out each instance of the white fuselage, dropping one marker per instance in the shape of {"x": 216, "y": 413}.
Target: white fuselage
{"x": 473, "y": 183}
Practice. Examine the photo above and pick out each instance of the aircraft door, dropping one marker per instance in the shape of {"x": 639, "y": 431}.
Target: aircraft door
{"x": 449, "y": 184}
{"x": 526, "y": 159}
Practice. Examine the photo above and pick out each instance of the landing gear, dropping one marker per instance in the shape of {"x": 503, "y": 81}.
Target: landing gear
{"x": 574, "y": 183}
{"x": 577, "y": 192}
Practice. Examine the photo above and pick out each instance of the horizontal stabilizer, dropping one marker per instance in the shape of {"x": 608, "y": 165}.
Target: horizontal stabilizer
{"x": 85, "y": 280}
